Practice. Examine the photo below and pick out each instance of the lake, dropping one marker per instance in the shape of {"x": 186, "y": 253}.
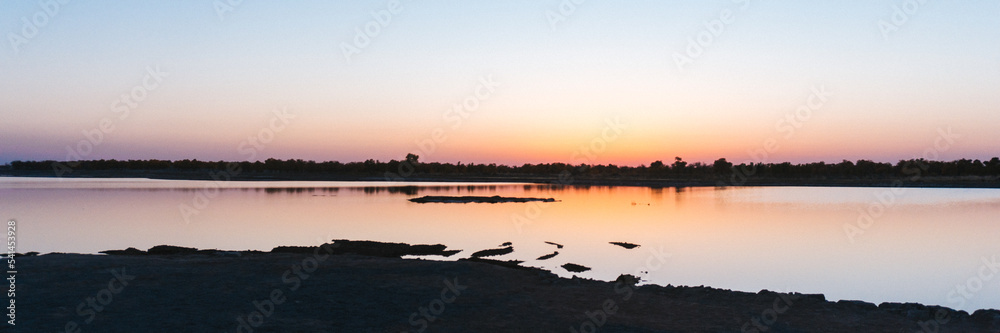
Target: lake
{"x": 936, "y": 246}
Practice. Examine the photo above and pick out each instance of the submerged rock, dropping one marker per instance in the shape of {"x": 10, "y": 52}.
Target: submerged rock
{"x": 170, "y": 249}
{"x": 339, "y": 246}
{"x": 548, "y": 256}
{"x": 508, "y": 263}
{"x": 493, "y": 252}
{"x": 474, "y": 199}
{"x": 126, "y": 252}
{"x": 575, "y": 268}
{"x": 175, "y": 250}
{"x": 370, "y": 248}
{"x": 625, "y": 245}
{"x": 296, "y": 249}
{"x": 628, "y": 279}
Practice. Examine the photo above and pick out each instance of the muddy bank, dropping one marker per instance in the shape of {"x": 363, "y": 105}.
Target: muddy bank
{"x": 318, "y": 291}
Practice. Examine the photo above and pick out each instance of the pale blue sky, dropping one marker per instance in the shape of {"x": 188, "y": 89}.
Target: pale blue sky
{"x": 559, "y": 83}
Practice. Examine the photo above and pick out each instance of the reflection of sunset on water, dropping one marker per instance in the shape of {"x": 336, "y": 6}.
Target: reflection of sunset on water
{"x": 777, "y": 238}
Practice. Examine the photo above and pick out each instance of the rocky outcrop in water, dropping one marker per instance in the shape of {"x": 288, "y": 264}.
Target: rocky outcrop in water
{"x": 508, "y": 263}
{"x": 493, "y": 252}
{"x": 371, "y": 248}
{"x": 625, "y": 245}
{"x": 575, "y": 268}
{"x": 548, "y": 256}
{"x": 339, "y": 246}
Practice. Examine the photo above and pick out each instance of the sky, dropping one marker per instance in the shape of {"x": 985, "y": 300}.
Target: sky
{"x": 509, "y": 82}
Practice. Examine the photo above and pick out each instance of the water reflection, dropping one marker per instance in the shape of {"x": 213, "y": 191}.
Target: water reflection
{"x": 742, "y": 238}
{"x": 273, "y": 187}
{"x": 297, "y": 190}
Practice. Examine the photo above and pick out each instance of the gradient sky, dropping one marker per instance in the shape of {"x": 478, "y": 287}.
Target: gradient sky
{"x": 890, "y": 93}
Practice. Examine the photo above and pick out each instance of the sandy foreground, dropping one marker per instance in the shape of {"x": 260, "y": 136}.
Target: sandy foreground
{"x": 319, "y": 292}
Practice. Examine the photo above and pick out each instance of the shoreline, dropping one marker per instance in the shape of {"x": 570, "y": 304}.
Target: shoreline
{"x": 362, "y": 287}
{"x": 923, "y": 182}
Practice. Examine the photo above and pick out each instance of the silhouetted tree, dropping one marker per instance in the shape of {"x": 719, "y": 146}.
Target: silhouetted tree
{"x": 722, "y": 166}
{"x": 679, "y": 165}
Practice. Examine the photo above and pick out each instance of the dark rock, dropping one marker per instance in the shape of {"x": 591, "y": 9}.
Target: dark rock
{"x": 558, "y": 246}
{"x": 170, "y": 249}
{"x": 548, "y": 256}
{"x": 900, "y": 307}
{"x": 492, "y": 252}
{"x": 626, "y": 245}
{"x": 228, "y": 253}
{"x": 857, "y": 305}
{"x": 913, "y": 311}
{"x": 508, "y": 263}
{"x": 370, "y": 248}
{"x": 628, "y": 279}
{"x": 943, "y": 314}
{"x": 699, "y": 291}
{"x": 986, "y": 318}
{"x": 295, "y": 249}
{"x": 506, "y": 244}
{"x": 575, "y": 268}
{"x": 958, "y": 314}
{"x": 126, "y": 252}
{"x": 812, "y": 297}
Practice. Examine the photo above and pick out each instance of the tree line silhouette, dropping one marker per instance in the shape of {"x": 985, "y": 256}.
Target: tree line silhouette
{"x": 721, "y": 169}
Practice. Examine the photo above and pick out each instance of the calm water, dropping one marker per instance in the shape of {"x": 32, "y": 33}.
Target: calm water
{"x": 911, "y": 245}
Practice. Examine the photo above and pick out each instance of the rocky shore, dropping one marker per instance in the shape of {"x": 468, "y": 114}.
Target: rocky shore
{"x": 351, "y": 286}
